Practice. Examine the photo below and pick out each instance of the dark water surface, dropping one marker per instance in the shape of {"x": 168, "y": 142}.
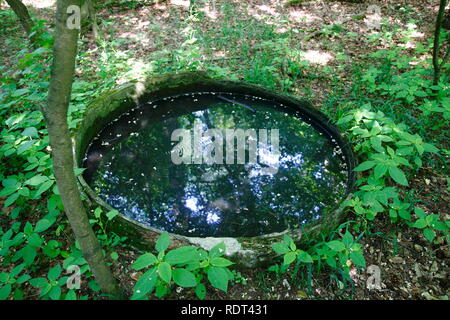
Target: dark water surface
{"x": 129, "y": 165}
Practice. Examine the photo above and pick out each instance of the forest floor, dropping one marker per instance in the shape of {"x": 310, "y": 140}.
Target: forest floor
{"x": 411, "y": 267}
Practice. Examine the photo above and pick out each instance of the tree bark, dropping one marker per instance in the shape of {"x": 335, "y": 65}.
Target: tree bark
{"x": 436, "y": 46}
{"x": 22, "y": 13}
{"x": 64, "y": 55}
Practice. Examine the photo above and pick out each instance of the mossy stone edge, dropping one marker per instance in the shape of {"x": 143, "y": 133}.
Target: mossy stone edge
{"x": 245, "y": 252}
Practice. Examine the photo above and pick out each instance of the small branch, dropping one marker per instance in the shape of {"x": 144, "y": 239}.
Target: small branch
{"x": 436, "y": 45}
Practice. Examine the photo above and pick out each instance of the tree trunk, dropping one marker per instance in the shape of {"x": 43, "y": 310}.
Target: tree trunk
{"x": 437, "y": 32}
{"x": 64, "y": 54}
{"x": 22, "y": 13}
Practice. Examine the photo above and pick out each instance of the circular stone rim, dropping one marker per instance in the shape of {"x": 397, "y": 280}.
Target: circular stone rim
{"x": 248, "y": 251}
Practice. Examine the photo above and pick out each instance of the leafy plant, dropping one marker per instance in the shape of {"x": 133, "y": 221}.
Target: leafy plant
{"x": 186, "y": 266}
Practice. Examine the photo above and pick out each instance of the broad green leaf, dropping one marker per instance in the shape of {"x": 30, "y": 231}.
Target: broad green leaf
{"x": 28, "y": 254}
{"x": 165, "y": 272}
{"x": 43, "y": 225}
{"x": 357, "y": 257}
{"x": 218, "y": 277}
{"x": 221, "y": 262}
{"x": 36, "y": 180}
{"x": 144, "y": 261}
{"x": 429, "y": 234}
{"x": 54, "y": 273}
{"x": 430, "y": 148}
{"x": 71, "y": 295}
{"x": 289, "y": 258}
{"x": 163, "y": 242}
{"x": 112, "y": 214}
{"x": 181, "y": 255}
{"x": 420, "y": 224}
{"x": 11, "y": 199}
{"x": 365, "y": 166}
{"x": 404, "y": 214}
{"x": 145, "y": 284}
{"x": 305, "y": 257}
{"x": 336, "y": 245}
{"x": 39, "y": 282}
{"x": 5, "y": 291}
{"x": 398, "y": 176}
{"x": 380, "y": 170}
{"x": 200, "y": 291}
{"x": 30, "y": 132}
{"x": 280, "y": 248}
{"x": 44, "y": 187}
{"x": 217, "y": 251}
{"x": 184, "y": 278}
{"x": 55, "y": 293}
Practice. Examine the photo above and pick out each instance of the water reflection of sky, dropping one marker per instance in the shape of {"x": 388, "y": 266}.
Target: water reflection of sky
{"x": 130, "y": 167}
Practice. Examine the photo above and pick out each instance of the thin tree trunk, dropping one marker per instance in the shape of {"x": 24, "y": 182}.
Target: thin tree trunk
{"x": 437, "y": 32}
{"x": 65, "y": 51}
{"x": 22, "y": 13}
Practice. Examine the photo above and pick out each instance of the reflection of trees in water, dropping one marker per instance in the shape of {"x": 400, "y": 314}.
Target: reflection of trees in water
{"x": 239, "y": 201}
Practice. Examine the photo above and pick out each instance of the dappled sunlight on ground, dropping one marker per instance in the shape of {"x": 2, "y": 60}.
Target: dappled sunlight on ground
{"x": 40, "y": 3}
{"x": 303, "y": 16}
{"x": 317, "y": 57}
{"x": 181, "y": 3}
{"x": 210, "y": 12}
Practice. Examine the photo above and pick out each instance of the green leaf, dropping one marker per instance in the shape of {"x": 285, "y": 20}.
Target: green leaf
{"x": 380, "y": 170}
{"x": 28, "y": 254}
{"x": 165, "y": 271}
{"x": 23, "y": 278}
{"x": 181, "y": 255}
{"x": 39, "y": 282}
{"x": 280, "y": 248}
{"x": 305, "y": 257}
{"x": 30, "y": 132}
{"x": 336, "y": 245}
{"x": 347, "y": 239}
{"x": 55, "y": 293}
{"x": 184, "y": 278}
{"x": 36, "y": 180}
{"x": 44, "y": 187}
{"x": 200, "y": 291}
{"x": 112, "y": 214}
{"x": 357, "y": 257}
{"x": 5, "y": 291}
{"x": 420, "y": 224}
{"x": 71, "y": 295}
{"x": 20, "y": 92}
{"x": 218, "y": 277}
{"x": 429, "y": 234}
{"x": 430, "y": 148}
{"x": 376, "y": 143}
{"x": 163, "y": 242}
{"x": 145, "y": 284}
{"x": 404, "y": 214}
{"x": 4, "y": 277}
{"x": 365, "y": 166}
{"x": 144, "y": 261}
{"x": 217, "y": 251}
{"x": 221, "y": 262}
{"x": 398, "y": 176}
{"x": 289, "y": 258}
{"x": 54, "y": 273}
{"x": 11, "y": 199}
{"x": 43, "y": 225}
